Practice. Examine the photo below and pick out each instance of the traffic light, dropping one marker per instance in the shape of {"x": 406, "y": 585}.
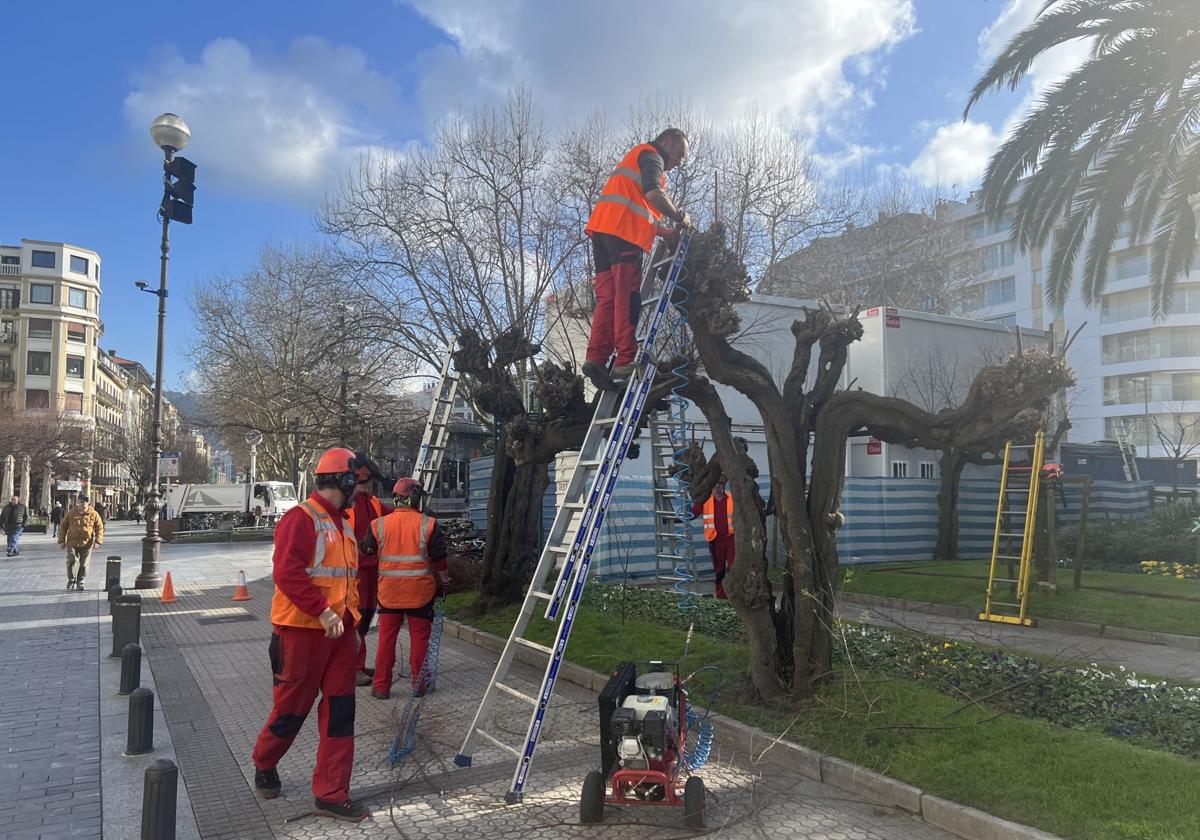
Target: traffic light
{"x": 180, "y": 192}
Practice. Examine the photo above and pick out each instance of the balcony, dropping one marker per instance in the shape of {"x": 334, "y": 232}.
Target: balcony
{"x": 1137, "y": 353}
{"x": 1134, "y": 394}
{"x": 10, "y": 270}
{"x": 8, "y": 375}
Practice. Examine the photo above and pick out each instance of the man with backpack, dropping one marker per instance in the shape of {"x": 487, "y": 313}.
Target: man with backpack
{"x": 82, "y": 530}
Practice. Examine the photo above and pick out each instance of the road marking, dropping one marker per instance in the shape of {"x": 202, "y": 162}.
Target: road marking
{"x": 208, "y": 612}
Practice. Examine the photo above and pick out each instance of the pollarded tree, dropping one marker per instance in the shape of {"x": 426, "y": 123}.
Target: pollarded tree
{"x": 807, "y": 420}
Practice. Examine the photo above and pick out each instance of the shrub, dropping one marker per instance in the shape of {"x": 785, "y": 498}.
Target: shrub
{"x": 1165, "y": 535}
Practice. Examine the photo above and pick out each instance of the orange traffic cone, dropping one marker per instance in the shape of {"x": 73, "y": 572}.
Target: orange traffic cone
{"x": 168, "y": 593}
{"x": 241, "y": 593}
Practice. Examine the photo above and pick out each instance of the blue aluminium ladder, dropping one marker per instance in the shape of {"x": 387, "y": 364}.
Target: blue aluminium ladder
{"x": 568, "y": 551}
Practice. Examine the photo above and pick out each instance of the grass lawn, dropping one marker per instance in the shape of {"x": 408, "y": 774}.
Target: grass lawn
{"x": 963, "y": 583}
{"x": 1076, "y": 784}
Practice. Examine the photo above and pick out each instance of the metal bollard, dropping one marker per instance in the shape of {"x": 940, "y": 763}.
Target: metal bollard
{"x": 139, "y": 740}
{"x": 126, "y": 622}
{"x": 131, "y": 668}
{"x": 114, "y": 592}
{"x": 112, "y": 572}
{"x": 158, "y": 800}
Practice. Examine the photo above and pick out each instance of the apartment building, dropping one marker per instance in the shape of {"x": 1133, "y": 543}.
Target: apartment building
{"x": 49, "y": 326}
{"x": 1132, "y": 370}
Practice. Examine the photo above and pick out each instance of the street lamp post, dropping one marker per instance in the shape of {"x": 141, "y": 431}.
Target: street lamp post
{"x": 1146, "y": 411}
{"x": 170, "y": 133}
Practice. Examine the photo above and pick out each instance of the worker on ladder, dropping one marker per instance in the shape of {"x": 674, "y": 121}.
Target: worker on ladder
{"x": 365, "y": 509}
{"x": 313, "y": 646}
{"x": 412, "y": 571}
{"x": 717, "y": 518}
{"x": 622, "y": 227}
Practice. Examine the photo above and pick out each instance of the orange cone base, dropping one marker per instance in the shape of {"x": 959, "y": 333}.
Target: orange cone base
{"x": 168, "y": 592}
{"x": 241, "y": 593}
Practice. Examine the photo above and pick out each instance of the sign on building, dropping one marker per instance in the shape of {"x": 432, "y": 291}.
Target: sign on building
{"x": 70, "y": 486}
{"x": 168, "y": 464}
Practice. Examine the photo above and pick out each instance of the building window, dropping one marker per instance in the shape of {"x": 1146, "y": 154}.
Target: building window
{"x": 899, "y": 469}
{"x": 76, "y": 332}
{"x": 77, "y": 297}
{"x": 79, "y": 265}
{"x": 75, "y": 367}
{"x": 928, "y": 469}
{"x": 1185, "y": 342}
{"x": 8, "y": 331}
{"x": 38, "y": 363}
{"x": 6, "y": 371}
{"x": 10, "y": 298}
{"x": 40, "y": 292}
{"x": 40, "y": 327}
{"x": 1132, "y": 264}
{"x": 72, "y": 402}
{"x": 42, "y": 259}
{"x": 37, "y": 399}
{"x": 1001, "y": 291}
{"x": 9, "y": 259}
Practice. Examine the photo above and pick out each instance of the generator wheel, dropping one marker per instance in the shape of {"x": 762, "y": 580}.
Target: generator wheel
{"x": 591, "y": 800}
{"x": 693, "y": 802}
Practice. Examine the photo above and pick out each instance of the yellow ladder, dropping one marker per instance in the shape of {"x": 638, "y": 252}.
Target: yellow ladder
{"x": 1014, "y": 488}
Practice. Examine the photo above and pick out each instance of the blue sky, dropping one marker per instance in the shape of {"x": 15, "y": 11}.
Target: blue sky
{"x": 283, "y": 97}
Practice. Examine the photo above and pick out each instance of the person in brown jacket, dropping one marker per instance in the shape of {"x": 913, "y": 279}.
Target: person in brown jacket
{"x": 81, "y": 530}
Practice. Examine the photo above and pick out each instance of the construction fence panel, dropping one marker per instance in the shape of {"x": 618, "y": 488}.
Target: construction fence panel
{"x": 887, "y": 519}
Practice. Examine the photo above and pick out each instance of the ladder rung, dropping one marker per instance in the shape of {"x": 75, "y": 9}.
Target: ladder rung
{"x": 545, "y": 596}
{"x": 497, "y": 742}
{"x": 1004, "y": 604}
{"x": 1004, "y": 580}
{"x": 559, "y": 549}
{"x": 1005, "y": 534}
{"x": 574, "y": 505}
{"x": 533, "y": 645}
{"x": 520, "y": 695}
{"x": 1006, "y": 557}
{"x": 606, "y": 421}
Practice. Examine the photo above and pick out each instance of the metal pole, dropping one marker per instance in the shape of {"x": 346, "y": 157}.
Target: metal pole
{"x": 253, "y": 464}
{"x": 296, "y": 454}
{"x": 150, "y": 577}
{"x": 1146, "y": 410}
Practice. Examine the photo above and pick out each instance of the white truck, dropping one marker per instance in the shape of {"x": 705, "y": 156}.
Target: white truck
{"x": 204, "y": 506}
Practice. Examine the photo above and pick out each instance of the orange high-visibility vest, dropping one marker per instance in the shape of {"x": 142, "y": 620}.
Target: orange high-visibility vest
{"x": 710, "y": 516}
{"x": 375, "y": 505}
{"x": 333, "y": 567}
{"x": 622, "y": 209}
{"x": 406, "y": 577}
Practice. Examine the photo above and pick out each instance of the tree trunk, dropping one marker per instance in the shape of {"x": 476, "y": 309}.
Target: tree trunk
{"x": 952, "y": 465}
{"x": 514, "y": 530}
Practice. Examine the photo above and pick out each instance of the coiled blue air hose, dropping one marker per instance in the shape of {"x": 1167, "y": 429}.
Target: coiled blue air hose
{"x": 406, "y": 729}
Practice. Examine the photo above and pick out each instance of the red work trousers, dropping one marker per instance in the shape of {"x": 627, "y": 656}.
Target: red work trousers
{"x": 721, "y": 550}
{"x": 420, "y": 622}
{"x": 618, "y": 300}
{"x": 303, "y": 663}
{"x": 368, "y": 593}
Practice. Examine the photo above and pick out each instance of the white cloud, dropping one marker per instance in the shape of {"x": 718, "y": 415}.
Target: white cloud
{"x": 956, "y": 155}
{"x": 808, "y": 60}
{"x": 965, "y": 147}
{"x": 286, "y": 125}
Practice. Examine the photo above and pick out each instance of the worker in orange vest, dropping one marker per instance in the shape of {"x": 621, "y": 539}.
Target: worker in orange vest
{"x": 623, "y": 224}
{"x": 365, "y": 508}
{"x": 313, "y": 647}
{"x": 717, "y": 518}
{"x": 412, "y": 569}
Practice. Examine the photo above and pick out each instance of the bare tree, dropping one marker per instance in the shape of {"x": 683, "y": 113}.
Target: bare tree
{"x": 1178, "y": 432}
{"x": 65, "y": 440}
{"x": 907, "y": 255}
{"x": 283, "y": 343}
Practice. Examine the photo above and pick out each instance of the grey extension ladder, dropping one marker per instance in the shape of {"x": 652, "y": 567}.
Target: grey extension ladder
{"x": 674, "y": 551}
{"x": 567, "y": 554}
{"x": 433, "y": 442}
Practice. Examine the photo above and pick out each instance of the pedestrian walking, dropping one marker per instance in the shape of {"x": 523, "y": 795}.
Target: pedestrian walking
{"x": 314, "y": 646}
{"x": 717, "y": 513}
{"x": 81, "y": 531}
{"x": 13, "y": 519}
{"x": 137, "y": 513}
{"x": 412, "y": 570}
{"x": 56, "y": 517}
{"x": 365, "y": 509}
{"x": 622, "y": 227}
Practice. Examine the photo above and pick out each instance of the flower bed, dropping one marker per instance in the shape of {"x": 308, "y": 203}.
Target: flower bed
{"x": 1117, "y": 703}
{"x": 1179, "y": 571}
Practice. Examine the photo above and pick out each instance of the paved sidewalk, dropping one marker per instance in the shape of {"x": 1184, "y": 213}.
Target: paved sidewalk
{"x": 210, "y": 661}
{"x": 1159, "y": 660}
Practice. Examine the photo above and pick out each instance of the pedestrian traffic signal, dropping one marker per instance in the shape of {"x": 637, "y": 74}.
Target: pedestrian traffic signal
{"x": 180, "y": 193}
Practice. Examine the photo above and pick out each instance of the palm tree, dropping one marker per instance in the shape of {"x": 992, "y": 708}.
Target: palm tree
{"x": 1114, "y": 142}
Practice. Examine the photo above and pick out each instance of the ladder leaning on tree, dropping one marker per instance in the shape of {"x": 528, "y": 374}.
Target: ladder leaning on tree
{"x": 567, "y": 555}
{"x": 437, "y": 426}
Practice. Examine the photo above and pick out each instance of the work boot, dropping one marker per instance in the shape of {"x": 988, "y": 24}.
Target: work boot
{"x": 621, "y": 373}
{"x": 267, "y": 783}
{"x": 79, "y": 585}
{"x": 380, "y": 695}
{"x": 598, "y": 376}
{"x": 70, "y": 585}
{"x": 350, "y": 811}
{"x": 362, "y": 678}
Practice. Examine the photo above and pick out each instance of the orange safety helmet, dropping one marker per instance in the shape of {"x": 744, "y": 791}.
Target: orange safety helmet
{"x": 408, "y": 487}
{"x": 335, "y": 461}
